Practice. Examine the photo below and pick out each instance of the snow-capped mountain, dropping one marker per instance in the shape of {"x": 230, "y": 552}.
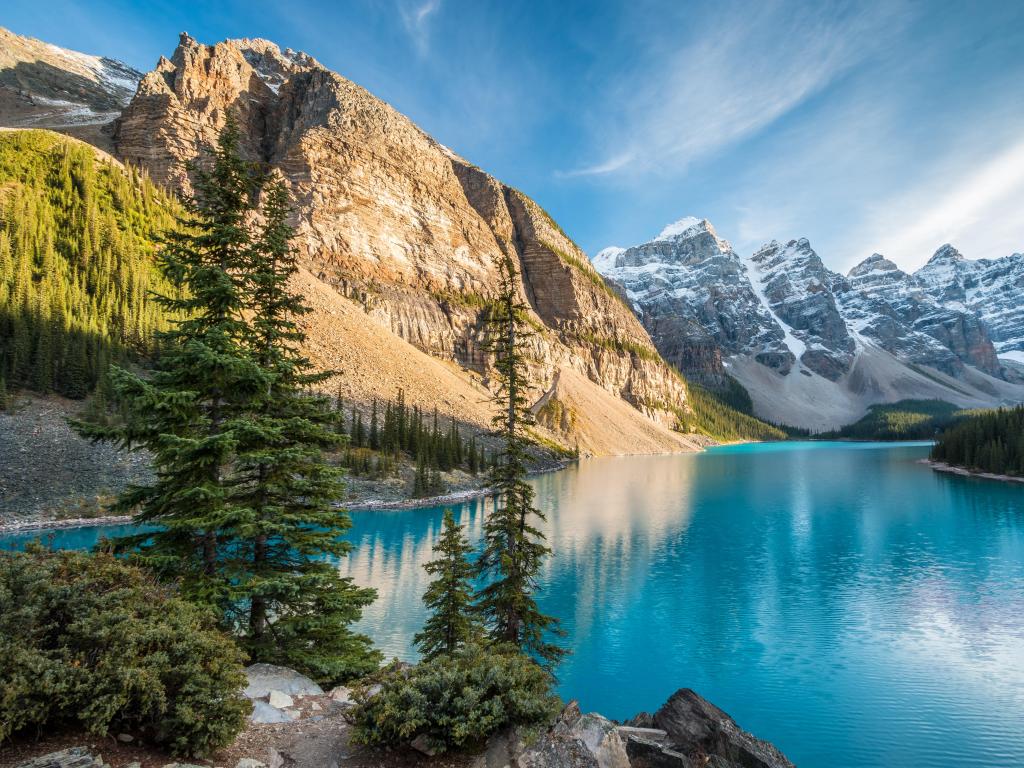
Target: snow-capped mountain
{"x": 46, "y": 86}
{"x": 813, "y": 347}
{"x": 991, "y": 289}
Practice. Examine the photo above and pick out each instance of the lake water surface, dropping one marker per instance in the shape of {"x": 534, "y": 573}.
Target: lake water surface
{"x": 838, "y": 599}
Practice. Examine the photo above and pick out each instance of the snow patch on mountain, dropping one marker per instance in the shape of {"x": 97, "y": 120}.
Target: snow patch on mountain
{"x": 677, "y": 228}
{"x": 604, "y": 259}
{"x": 796, "y": 346}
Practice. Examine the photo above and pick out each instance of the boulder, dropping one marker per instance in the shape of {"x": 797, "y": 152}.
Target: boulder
{"x": 248, "y": 762}
{"x": 264, "y": 678}
{"x": 262, "y": 712}
{"x": 576, "y": 736}
{"x": 341, "y": 695}
{"x": 501, "y": 751}
{"x": 558, "y": 753}
{"x": 280, "y": 700}
{"x": 422, "y": 744}
{"x": 697, "y": 728}
{"x": 74, "y": 757}
{"x": 644, "y": 753}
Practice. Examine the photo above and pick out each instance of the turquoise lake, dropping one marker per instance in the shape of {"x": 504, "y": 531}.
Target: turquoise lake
{"x": 838, "y": 599}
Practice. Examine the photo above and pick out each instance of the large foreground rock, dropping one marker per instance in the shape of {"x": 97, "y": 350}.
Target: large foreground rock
{"x": 698, "y": 729}
{"x": 74, "y": 757}
{"x": 577, "y": 739}
{"x": 266, "y": 678}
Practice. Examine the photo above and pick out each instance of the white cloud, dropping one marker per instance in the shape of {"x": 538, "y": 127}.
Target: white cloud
{"x": 973, "y": 205}
{"x": 416, "y": 20}
{"x": 735, "y": 74}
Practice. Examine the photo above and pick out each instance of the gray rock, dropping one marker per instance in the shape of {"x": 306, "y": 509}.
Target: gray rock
{"x": 264, "y": 678}
{"x": 650, "y": 754}
{"x": 74, "y": 757}
{"x": 262, "y": 712}
{"x": 650, "y": 734}
{"x": 125, "y": 738}
{"x": 422, "y": 744}
{"x": 559, "y": 753}
{"x": 280, "y": 700}
{"x": 501, "y": 751}
{"x": 576, "y": 736}
{"x": 248, "y": 762}
{"x": 341, "y": 695}
{"x": 696, "y": 727}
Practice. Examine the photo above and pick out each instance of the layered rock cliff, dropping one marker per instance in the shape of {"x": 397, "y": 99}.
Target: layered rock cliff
{"x": 395, "y": 221}
{"x": 46, "y": 86}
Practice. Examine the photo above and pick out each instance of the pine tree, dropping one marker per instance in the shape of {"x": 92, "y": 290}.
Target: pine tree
{"x": 242, "y": 497}
{"x": 374, "y": 427}
{"x": 185, "y": 414}
{"x": 514, "y": 547}
{"x": 291, "y": 606}
{"x": 453, "y": 622}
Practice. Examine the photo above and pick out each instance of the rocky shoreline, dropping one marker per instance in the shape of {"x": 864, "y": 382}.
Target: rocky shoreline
{"x": 295, "y": 723}
{"x": 951, "y": 469}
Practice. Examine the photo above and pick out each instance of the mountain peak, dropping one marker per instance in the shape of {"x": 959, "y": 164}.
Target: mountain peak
{"x": 876, "y": 262}
{"x": 946, "y": 253}
{"x": 681, "y": 227}
{"x": 605, "y": 258}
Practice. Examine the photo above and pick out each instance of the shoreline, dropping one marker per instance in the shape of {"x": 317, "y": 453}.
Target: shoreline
{"x": 366, "y": 505}
{"x": 951, "y": 469}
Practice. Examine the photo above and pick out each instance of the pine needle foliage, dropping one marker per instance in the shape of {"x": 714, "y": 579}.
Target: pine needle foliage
{"x": 990, "y": 441}
{"x": 514, "y": 547}
{"x": 243, "y": 497}
{"x": 77, "y": 271}
{"x": 453, "y": 621}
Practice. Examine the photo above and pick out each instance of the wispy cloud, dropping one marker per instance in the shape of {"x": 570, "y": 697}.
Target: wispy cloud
{"x": 416, "y": 19}
{"x": 756, "y": 64}
{"x": 974, "y": 206}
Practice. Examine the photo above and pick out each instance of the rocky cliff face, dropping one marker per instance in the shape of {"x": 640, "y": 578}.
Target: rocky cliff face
{"x": 391, "y": 218}
{"x": 989, "y": 289}
{"x": 815, "y": 347}
{"x": 45, "y": 86}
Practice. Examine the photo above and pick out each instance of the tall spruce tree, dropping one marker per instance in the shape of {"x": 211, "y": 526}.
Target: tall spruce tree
{"x": 242, "y": 495}
{"x": 514, "y": 547}
{"x": 289, "y": 603}
{"x": 186, "y": 412}
{"x": 453, "y": 621}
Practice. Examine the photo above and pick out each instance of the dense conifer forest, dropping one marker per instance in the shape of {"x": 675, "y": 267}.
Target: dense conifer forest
{"x": 77, "y": 266}
{"x": 992, "y": 441}
{"x": 903, "y": 420}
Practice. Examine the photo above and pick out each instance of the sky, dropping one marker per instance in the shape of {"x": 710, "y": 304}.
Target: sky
{"x": 888, "y": 126}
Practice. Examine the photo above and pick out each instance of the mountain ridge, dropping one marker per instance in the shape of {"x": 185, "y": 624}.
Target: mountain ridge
{"x": 816, "y": 348}
{"x": 406, "y": 230}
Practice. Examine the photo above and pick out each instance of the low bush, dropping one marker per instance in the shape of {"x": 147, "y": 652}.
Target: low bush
{"x": 454, "y": 701}
{"x": 87, "y": 641}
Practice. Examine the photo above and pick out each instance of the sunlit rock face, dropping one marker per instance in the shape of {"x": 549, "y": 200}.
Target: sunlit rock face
{"x": 816, "y": 347}
{"x": 393, "y": 219}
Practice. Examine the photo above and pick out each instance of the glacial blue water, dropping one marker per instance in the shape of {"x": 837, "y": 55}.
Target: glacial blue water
{"x": 838, "y": 599}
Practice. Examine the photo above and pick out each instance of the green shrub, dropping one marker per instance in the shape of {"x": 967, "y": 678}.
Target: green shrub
{"x": 87, "y": 641}
{"x": 454, "y": 701}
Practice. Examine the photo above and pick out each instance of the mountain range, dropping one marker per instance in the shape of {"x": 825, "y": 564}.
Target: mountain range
{"x": 398, "y": 236}
{"x": 815, "y": 348}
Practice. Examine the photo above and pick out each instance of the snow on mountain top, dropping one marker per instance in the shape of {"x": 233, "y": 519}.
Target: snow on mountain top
{"x": 677, "y": 228}
{"x": 605, "y": 258}
{"x": 876, "y": 262}
{"x": 946, "y": 253}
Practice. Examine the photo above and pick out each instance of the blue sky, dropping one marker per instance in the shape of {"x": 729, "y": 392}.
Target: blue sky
{"x": 866, "y": 126}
